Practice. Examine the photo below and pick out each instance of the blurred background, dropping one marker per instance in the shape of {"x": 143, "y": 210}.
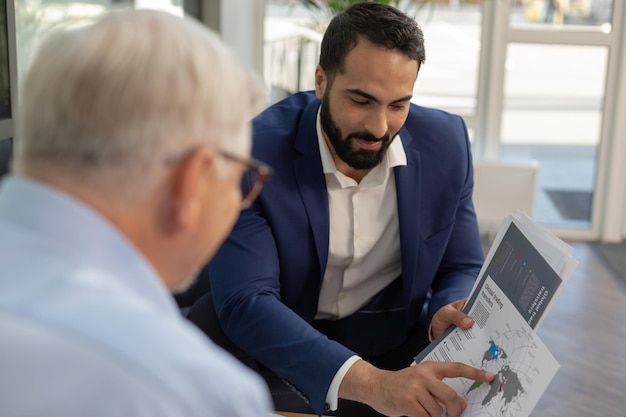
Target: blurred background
{"x": 540, "y": 84}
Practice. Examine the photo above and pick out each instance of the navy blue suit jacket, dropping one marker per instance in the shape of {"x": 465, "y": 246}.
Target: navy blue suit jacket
{"x": 267, "y": 276}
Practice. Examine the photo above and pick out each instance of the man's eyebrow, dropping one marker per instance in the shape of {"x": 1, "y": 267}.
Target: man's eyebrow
{"x": 368, "y": 96}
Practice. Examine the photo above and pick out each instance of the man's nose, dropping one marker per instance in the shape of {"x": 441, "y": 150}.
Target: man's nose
{"x": 377, "y": 123}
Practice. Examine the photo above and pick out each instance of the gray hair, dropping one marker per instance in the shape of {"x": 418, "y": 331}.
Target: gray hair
{"x": 112, "y": 101}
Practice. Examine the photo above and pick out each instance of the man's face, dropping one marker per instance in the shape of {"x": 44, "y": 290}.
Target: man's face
{"x": 364, "y": 107}
{"x": 360, "y": 150}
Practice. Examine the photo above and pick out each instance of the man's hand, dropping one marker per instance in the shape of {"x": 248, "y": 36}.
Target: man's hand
{"x": 416, "y": 391}
{"x": 449, "y": 315}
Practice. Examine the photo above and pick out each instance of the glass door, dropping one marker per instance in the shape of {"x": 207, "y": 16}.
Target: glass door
{"x": 550, "y": 100}
{"x": 535, "y": 80}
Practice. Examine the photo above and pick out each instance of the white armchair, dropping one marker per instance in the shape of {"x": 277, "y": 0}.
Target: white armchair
{"x": 501, "y": 188}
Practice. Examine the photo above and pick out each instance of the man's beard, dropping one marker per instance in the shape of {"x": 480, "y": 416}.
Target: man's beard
{"x": 359, "y": 159}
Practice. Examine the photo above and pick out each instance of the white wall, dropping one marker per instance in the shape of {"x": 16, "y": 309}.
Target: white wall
{"x": 613, "y": 217}
{"x": 240, "y": 23}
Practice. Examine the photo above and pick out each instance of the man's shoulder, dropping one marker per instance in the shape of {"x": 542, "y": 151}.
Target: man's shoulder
{"x": 437, "y": 124}
{"x": 425, "y": 114}
{"x": 144, "y": 374}
{"x": 278, "y": 128}
{"x": 286, "y": 111}
{"x": 437, "y": 133}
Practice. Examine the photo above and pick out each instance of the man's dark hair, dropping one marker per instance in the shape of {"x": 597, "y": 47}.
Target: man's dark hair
{"x": 380, "y": 24}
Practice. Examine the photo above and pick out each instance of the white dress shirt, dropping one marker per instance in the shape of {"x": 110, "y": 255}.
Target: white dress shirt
{"x": 88, "y": 329}
{"x": 364, "y": 236}
{"x": 364, "y": 239}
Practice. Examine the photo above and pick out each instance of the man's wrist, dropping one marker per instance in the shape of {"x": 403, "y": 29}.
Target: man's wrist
{"x": 332, "y": 395}
{"x": 361, "y": 383}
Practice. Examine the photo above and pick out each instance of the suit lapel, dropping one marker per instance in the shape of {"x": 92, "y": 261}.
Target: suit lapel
{"x": 312, "y": 186}
{"x": 311, "y": 182}
{"x": 408, "y": 189}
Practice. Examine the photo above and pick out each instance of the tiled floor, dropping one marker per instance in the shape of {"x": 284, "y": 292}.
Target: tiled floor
{"x": 585, "y": 331}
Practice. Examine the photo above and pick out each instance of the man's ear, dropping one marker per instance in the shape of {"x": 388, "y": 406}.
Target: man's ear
{"x": 189, "y": 181}
{"x": 320, "y": 82}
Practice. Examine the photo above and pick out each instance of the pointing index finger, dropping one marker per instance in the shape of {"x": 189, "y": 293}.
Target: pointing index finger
{"x": 461, "y": 370}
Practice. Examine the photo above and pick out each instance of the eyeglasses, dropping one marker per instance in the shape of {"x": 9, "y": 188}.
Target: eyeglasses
{"x": 256, "y": 175}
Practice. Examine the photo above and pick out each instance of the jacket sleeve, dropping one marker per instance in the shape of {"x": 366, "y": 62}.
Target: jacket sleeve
{"x": 245, "y": 283}
{"x": 463, "y": 255}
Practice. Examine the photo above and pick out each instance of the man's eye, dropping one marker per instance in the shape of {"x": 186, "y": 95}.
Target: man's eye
{"x": 360, "y": 103}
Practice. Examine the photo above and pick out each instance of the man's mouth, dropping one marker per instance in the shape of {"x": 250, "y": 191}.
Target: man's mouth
{"x": 372, "y": 145}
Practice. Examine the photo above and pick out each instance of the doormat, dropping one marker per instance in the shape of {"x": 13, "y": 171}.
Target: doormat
{"x": 572, "y": 205}
{"x": 614, "y": 256}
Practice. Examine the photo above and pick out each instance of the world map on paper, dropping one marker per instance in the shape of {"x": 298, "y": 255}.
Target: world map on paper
{"x": 511, "y": 358}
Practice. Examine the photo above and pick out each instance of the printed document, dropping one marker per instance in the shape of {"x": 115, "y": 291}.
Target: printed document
{"x": 524, "y": 271}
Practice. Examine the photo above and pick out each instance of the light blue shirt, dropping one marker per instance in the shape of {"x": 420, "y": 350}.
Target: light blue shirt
{"x": 88, "y": 329}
